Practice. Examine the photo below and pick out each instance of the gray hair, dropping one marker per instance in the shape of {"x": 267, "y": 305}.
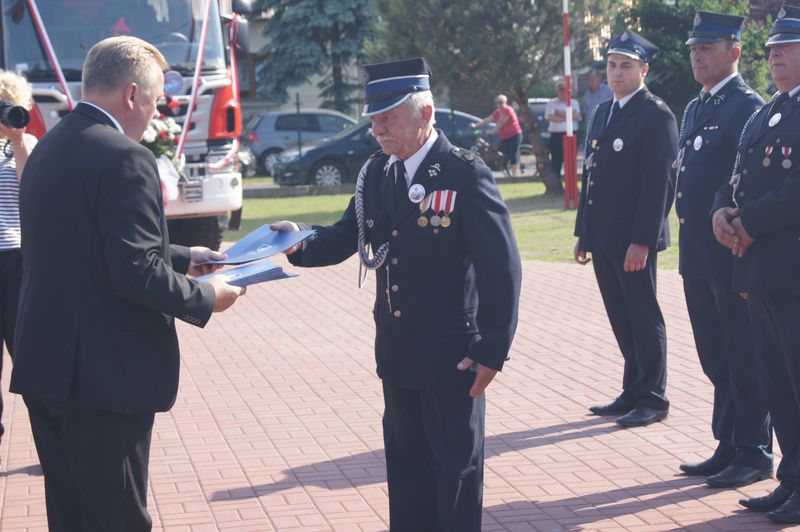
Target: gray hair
{"x": 114, "y": 62}
{"x": 417, "y": 101}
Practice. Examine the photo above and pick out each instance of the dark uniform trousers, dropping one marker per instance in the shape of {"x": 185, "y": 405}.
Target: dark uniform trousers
{"x": 443, "y": 293}
{"x": 722, "y": 335}
{"x": 638, "y": 325}
{"x": 434, "y": 459}
{"x": 776, "y": 329}
{"x": 709, "y": 138}
{"x": 626, "y": 193}
{"x": 80, "y": 450}
{"x": 10, "y": 279}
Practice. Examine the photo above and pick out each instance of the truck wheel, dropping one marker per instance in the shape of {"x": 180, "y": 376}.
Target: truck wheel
{"x": 196, "y": 232}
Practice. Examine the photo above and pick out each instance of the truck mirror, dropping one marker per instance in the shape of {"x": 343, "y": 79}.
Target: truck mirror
{"x": 242, "y": 7}
{"x": 242, "y": 44}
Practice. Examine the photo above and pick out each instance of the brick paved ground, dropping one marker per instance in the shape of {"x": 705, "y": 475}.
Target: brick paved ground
{"x": 277, "y": 426}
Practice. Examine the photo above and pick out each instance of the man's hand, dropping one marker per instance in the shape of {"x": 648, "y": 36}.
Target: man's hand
{"x": 745, "y": 240}
{"x": 721, "y": 225}
{"x": 226, "y": 293}
{"x": 580, "y": 255}
{"x": 482, "y": 379}
{"x": 636, "y": 257}
{"x": 200, "y": 256}
{"x": 285, "y": 225}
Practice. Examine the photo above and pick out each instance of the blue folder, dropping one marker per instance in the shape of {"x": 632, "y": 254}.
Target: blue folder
{"x": 259, "y": 272}
{"x": 262, "y": 243}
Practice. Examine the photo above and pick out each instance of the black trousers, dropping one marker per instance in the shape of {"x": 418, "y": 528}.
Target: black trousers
{"x": 557, "y": 151}
{"x": 10, "y": 280}
{"x": 95, "y": 466}
{"x": 635, "y": 317}
{"x": 724, "y": 340}
{"x": 434, "y": 460}
{"x": 776, "y": 330}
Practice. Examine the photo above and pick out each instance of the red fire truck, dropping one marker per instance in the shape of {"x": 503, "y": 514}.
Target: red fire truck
{"x": 47, "y": 41}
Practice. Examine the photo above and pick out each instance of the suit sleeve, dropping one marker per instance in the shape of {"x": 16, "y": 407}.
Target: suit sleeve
{"x": 129, "y": 217}
{"x": 584, "y": 174}
{"x": 660, "y": 137}
{"x": 498, "y": 272}
{"x": 181, "y": 258}
{"x": 332, "y": 244}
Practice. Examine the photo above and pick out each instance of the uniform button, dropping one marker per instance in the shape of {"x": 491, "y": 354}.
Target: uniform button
{"x": 395, "y": 233}
{"x": 745, "y": 171}
{"x": 683, "y": 168}
{"x": 395, "y": 288}
{"x": 683, "y": 220}
{"x": 436, "y": 231}
{"x": 591, "y": 183}
{"x": 680, "y": 195}
{"x": 589, "y": 202}
{"x": 467, "y": 324}
{"x": 394, "y": 262}
{"x": 741, "y": 194}
{"x": 750, "y": 150}
{"x": 397, "y": 313}
{"x": 594, "y": 165}
{"x": 688, "y": 142}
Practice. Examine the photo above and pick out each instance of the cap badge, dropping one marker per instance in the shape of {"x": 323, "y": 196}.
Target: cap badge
{"x": 781, "y": 14}
{"x": 697, "y": 19}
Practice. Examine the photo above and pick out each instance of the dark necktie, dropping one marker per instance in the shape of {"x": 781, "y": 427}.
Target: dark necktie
{"x": 400, "y": 186}
{"x": 704, "y": 97}
{"x": 776, "y": 104}
{"x": 613, "y": 112}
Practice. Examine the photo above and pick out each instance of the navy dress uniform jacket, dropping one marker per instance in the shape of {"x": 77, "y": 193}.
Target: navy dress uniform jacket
{"x": 769, "y": 199}
{"x": 708, "y": 143}
{"x": 628, "y": 187}
{"x": 454, "y": 290}
{"x": 100, "y": 285}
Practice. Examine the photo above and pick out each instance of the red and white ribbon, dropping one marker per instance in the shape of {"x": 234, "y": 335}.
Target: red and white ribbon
{"x": 450, "y": 202}
{"x": 768, "y": 151}
{"x": 786, "y": 151}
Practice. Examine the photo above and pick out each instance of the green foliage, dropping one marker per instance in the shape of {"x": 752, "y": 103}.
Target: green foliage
{"x": 308, "y": 37}
{"x": 667, "y": 26}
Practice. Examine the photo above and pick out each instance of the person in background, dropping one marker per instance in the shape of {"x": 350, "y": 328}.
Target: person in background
{"x": 15, "y": 145}
{"x": 596, "y": 93}
{"x": 508, "y": 128}
{"x": 556, "y": 113}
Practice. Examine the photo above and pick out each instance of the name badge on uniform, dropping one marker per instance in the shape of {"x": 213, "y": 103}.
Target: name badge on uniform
{"x": 416, "y": 193}
{"x": 698, "y": 142}
{"x": 618, "y": 145}
{"x": 775, "y": 119}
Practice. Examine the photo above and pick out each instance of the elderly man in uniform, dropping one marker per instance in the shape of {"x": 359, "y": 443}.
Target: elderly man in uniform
{"x": 626, "y": 195}
{"x": 710, "y": 130}
{"x": 447, "y": 290}
{"x": 758, "y": 217}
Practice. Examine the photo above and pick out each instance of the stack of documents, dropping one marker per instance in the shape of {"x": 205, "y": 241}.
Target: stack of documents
{"x": 260, "y": 244}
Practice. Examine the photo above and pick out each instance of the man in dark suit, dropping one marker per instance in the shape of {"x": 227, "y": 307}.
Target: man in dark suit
{"x": 448, "y": 281}
{"x": 97, "y": 352}
{"x": 710, "y": 130}
{"x": 758, "y": 217}
{"x": 626, "y": 195}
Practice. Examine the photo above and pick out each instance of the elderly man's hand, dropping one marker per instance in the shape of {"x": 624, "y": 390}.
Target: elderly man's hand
{"x": 200, "y": 258}
{"x": 745, "y": 240}
{"x": 721, "y": 225}
{"x": 636, "y": 258}
{"x": 580, "y": 255}
{"x": 285, "y": 225}
{"x": 483, "y": 376}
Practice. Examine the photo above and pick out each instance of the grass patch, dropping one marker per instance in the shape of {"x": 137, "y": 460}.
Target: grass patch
{"x": 542, "y": 227}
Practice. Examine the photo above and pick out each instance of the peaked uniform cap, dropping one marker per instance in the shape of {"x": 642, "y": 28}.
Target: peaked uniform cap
{"x": 390, "y": 84}
{"x": 633, "y": 45}
{"x": 786, "y": 27}
{"x": 711, "y": 27}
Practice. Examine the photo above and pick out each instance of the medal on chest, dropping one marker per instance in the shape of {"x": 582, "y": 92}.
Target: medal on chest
{"x": 786, "y": 163}
{"x": 767, "y": 152}
{"x": 424, "y": 205}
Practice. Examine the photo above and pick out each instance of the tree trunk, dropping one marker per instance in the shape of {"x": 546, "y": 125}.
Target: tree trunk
{"x": 339, "y": 96}
{"x": 552, "y": 182}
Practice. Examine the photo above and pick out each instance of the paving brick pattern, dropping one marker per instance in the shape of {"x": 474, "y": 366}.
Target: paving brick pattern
{"x": 277, "y": 425}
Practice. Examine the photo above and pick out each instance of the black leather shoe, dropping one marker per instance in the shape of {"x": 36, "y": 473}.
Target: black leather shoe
{"x": 789, "y": 512}
{"x": 641, "y": 416}
{"x": 736, "y": 476}
{"x": 619, "y": 407}
{"x": 770, "y": 502}
{"x": 706, "y": 468}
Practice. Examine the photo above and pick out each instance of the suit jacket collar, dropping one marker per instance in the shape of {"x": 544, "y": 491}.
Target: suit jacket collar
{"x": 427, "y": 173}
{"x": 761, "y": 127}
{"x": 618, "y": 122}
{"x": 95, "y": 113}
{"x": 709, "y": 109}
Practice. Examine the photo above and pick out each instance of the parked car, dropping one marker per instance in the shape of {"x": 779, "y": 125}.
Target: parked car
{"x": 338, "y": 159}
{"x": 537, "y": 106}
{"x": 268, "y": 134}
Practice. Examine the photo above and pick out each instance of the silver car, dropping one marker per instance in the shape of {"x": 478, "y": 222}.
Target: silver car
{"x": 268, "y": 134}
